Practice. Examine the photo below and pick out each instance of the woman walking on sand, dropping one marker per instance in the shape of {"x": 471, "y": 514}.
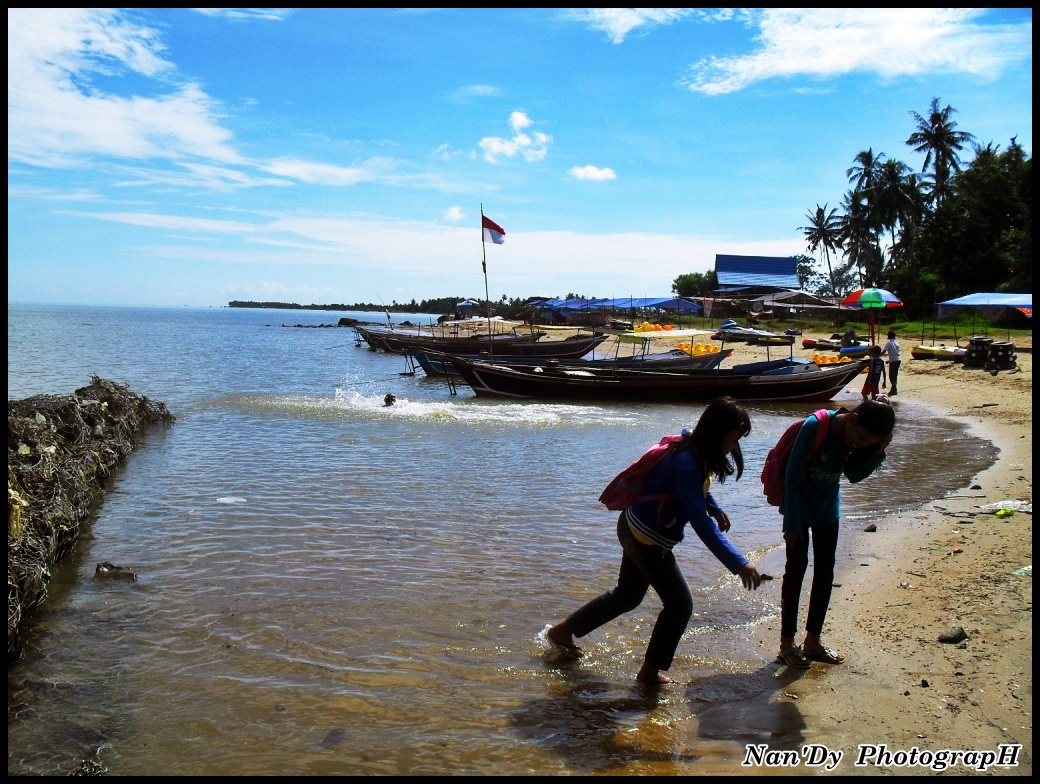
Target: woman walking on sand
{"x": 649, "y": 529}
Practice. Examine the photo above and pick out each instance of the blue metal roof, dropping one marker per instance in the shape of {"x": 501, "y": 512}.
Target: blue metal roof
{"x": 738, "y": 271}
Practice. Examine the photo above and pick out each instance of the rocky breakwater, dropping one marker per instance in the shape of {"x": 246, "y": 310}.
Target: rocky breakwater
{"x": 60, "y": 450}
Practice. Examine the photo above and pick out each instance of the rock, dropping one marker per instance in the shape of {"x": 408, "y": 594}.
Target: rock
{"x": 870, "y": 528}
{"x": 109, "y": 571}
{"x": 953, "y": 635}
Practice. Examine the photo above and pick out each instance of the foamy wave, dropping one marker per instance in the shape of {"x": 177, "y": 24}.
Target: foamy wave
{"x": 475, "y": 410}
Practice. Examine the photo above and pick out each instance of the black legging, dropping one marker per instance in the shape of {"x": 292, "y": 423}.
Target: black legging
{"x": 642, "y": 566}
{"x": 825, "y": 545}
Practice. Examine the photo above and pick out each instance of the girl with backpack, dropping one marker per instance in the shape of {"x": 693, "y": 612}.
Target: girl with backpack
{"x": 675, "y": 493}
{"x": 854, "y": 446}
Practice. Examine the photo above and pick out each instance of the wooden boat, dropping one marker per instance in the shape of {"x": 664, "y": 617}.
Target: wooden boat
{"x": 940, "y": 352}
{"x": 516, "y": 343}
{"x": 780, "y": 379}
{"x": 433, "y": 364}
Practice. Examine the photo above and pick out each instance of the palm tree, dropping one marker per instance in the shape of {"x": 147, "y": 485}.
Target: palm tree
{"x": 936, "y": 138}
{"x": 864, "y": 175}
{"x": 893, "y": 201}
{"x": 824, "y": 231}
{"x": 858, "y": 237}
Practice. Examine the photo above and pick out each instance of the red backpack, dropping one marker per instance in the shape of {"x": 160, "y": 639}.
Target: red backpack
{"x": 627, "y": 487}
{"x": 775, "y": 468}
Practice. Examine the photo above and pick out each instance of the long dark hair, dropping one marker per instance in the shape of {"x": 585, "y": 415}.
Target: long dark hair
{"x": 720, "y": 417}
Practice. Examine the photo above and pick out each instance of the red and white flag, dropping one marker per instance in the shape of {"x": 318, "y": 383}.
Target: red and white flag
{"x": 492, "y": 231}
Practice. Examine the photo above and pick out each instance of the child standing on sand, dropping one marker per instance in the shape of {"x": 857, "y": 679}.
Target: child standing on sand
{"x": 875, "y": 374}
{"x": 649, "y": 529}
{"x": 892, "y": 349}
{"x": 854, "y": 446}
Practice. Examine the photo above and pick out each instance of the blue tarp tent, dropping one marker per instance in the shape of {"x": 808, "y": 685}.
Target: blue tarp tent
{"x": 677, "y": 304}
{"x": 991, "y": 305}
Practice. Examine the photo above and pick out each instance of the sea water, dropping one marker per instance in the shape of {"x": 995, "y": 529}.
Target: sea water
{"x": 330, "y": 585}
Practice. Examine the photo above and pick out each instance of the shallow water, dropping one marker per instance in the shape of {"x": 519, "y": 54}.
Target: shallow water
{"x": 328, "y": 585}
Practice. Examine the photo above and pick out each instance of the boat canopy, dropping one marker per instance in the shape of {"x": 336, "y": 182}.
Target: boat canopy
{"x": 645, "y": 337}
{"x": 991, "y": 305}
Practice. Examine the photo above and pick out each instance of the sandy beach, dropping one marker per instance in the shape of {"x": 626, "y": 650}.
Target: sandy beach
{"x": 951, "y": 563}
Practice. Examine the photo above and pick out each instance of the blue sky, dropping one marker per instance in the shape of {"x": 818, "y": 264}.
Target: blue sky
{"x": 194, "y": 156}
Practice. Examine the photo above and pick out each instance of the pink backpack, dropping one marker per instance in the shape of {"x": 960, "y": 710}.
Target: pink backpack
{"x": 775, "y": 468}
{"x": 627, "y": 487}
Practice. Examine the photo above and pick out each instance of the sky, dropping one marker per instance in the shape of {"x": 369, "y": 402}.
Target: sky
{"x": 171, "y": 157}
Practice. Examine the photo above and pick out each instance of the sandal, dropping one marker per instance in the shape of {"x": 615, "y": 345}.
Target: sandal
{"x": 824, "y": 654}
{"x": 793, "y": 657}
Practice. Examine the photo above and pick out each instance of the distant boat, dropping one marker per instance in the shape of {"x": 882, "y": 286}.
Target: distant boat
{"x": 688, "y": 355}
{"x": 436, "y": 364}
{"x": 781, "y": 379}
{"x": 511, "y": 343}
{"x": 732, "y": 332}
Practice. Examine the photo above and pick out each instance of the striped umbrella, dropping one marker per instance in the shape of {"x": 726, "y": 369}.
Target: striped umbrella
{"x": 872, "y": 299}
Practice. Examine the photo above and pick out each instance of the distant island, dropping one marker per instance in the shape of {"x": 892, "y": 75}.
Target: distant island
{"x": 442, "y": 305}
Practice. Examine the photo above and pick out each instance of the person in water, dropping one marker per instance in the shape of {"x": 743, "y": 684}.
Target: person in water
{"x": 649, "y": 529}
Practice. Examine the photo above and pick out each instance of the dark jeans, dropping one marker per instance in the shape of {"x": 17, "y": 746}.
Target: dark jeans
{"x": 893, "y": 374}
{"x": 642, "y": 566}
{"x": 825, "y": 544}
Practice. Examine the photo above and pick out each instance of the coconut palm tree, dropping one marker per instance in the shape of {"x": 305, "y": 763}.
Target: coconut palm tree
{"x": 864, "y": 174}
{"x": 824, "y": 231}
{"x": 892, "y": 199}
{"x": 858, "y": 237}
{"x": 936, "y": 138}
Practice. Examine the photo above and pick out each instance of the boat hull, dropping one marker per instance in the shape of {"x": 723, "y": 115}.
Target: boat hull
{"x": 436, "y": 364}
{"x": 801, "y": 382}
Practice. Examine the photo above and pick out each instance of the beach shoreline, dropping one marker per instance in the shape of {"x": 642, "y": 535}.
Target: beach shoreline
{"x": 952, "y": 562}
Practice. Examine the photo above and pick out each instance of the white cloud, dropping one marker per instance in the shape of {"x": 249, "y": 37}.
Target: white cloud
{"x": 592, "y": 173}
{"x": 475, "y": 91}
{"x": 454, "y": 214}
{"x": 533, "y": 147}
{"x": 175, "y": 222}
{"x": 619, "y": 22}
{"x": 326, "y": 174}
{"x": 56, "y": 117}
{"x": 888, "y": 41}
{"x": 247, "y": 14}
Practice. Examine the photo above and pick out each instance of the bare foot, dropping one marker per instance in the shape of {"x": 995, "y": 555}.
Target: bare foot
{"x": 561, "y": 635}
{"x": 652, "y": 677}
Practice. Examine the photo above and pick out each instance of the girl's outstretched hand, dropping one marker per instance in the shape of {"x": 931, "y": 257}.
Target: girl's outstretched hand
{"x": 749, "y": 576}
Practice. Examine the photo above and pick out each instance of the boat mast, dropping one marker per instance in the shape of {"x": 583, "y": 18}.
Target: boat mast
{"x": 487, "y": 296}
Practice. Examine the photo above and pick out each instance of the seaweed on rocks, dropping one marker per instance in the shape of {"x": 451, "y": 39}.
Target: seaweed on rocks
{"x": 60, "y": 450}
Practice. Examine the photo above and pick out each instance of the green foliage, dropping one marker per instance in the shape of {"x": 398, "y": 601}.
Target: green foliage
{"x": 695, "y": 284}
{"x": 953, "y": 230}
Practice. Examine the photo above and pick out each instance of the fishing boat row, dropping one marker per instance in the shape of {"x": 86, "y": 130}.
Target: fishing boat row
{"x": 779, "y": 379}
{"x": 568, "y": 369}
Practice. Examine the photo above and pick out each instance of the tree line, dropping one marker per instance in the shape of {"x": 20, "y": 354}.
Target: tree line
{"x": 951, "y": 229}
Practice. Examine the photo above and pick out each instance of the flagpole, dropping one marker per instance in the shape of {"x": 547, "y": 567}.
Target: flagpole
{"x": 487, "y": 296}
